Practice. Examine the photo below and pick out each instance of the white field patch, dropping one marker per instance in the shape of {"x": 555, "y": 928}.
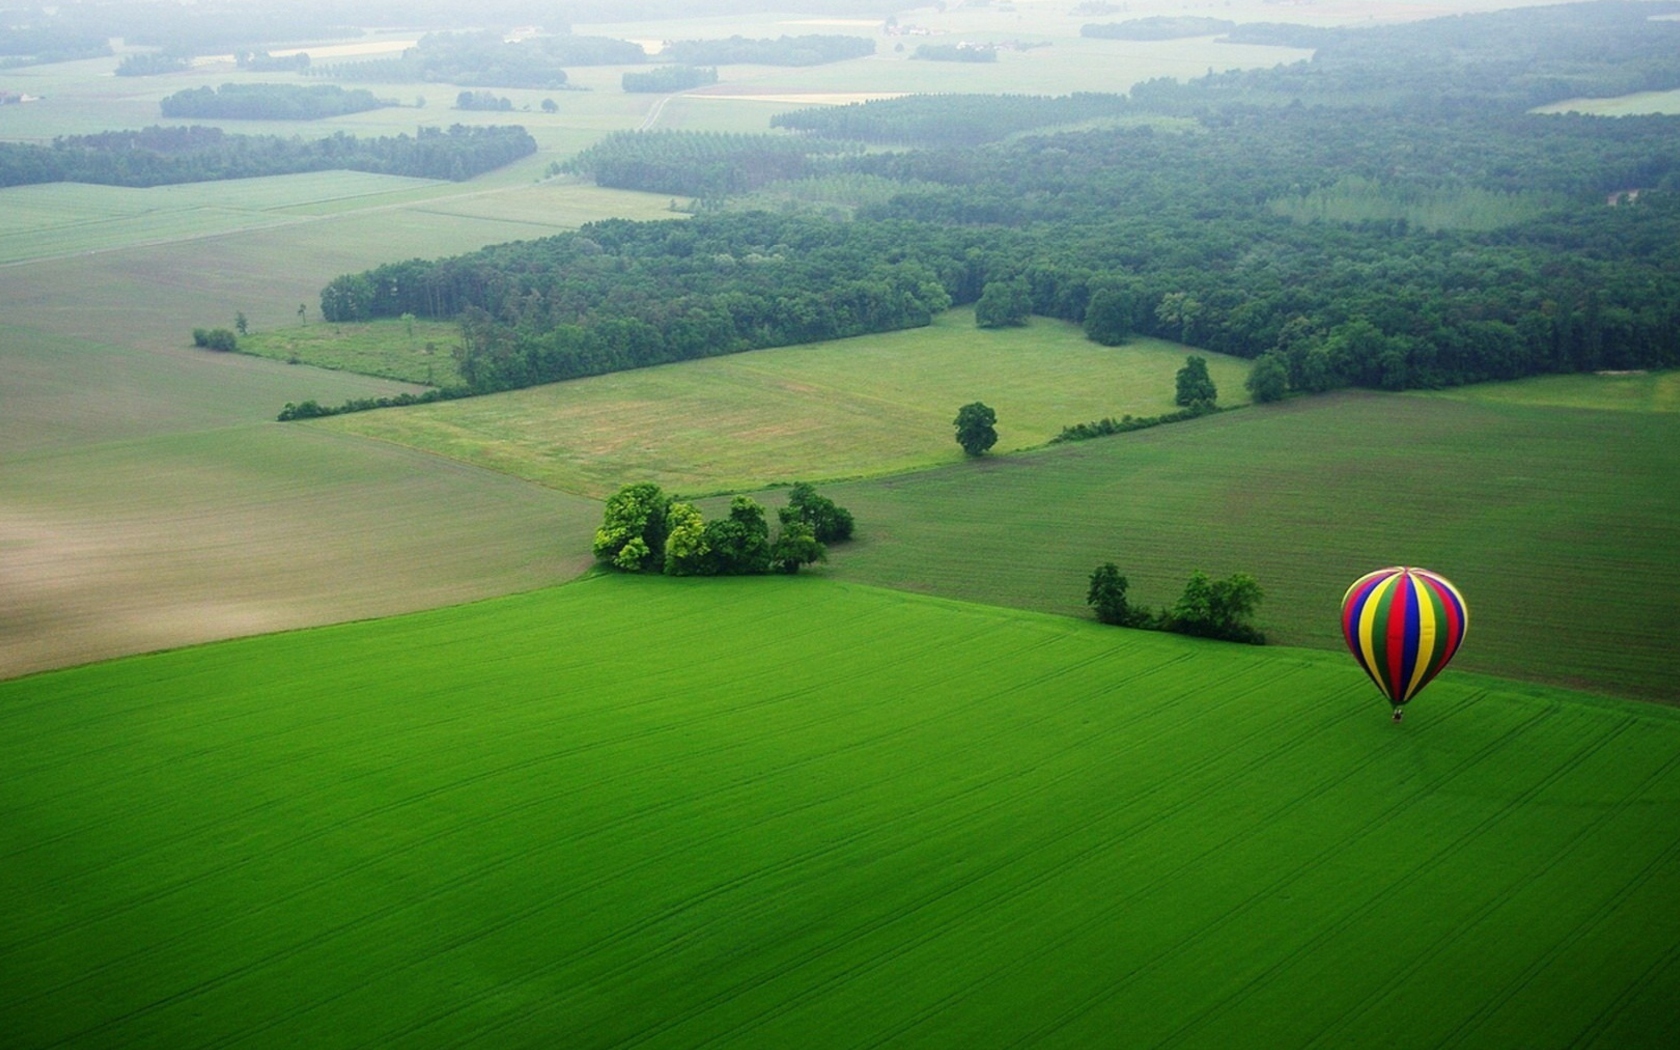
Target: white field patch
{"x": 362, "y": 49}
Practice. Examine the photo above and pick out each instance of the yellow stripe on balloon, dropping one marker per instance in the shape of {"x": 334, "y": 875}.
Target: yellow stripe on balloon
{"x": 1367, "y": 618}
{"x": 1426, "y": 635}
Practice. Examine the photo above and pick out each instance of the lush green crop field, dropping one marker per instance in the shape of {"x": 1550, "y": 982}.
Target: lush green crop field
{"x": 786, "y": 812}
{"x": 870, "y": 405}
{"x": 1560, "y": 525}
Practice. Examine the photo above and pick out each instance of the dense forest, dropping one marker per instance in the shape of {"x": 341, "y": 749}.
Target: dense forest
{"x": 158, "y": 156}
{"x": 782, "y": 51}
{"x": 268, "y": 102}
{"x": 1369, "y": 244}
{"x": 698, "y": 164}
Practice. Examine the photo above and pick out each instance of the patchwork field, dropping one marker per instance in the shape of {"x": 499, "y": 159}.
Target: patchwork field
{"x": 870, "y": 819}
{"x": 1559, "y": 524}
{"x": 870, "y": 405}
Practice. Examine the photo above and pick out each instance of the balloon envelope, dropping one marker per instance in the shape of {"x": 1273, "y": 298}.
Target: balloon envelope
{"x": 1403, "y": 625}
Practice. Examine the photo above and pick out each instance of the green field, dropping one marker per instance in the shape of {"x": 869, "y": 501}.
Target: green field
{"x": 785, "y": 812}
{"x": 1613, "y": 391}
{"x": 870, "y": 405}
{"x": 416, "y": 351}
{"x": 1559, "y": 524}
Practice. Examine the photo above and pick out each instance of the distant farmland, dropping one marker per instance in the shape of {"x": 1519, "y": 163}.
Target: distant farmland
{"x": 870, "y": 819}
{"x": 871, "y": 405}
{"x": 1561, "y": 524}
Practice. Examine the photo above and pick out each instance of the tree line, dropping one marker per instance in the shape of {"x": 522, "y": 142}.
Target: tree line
{"x": 158, "y": 156}
{"x": 269, "y": 102}
{"x": 664, "y": 79}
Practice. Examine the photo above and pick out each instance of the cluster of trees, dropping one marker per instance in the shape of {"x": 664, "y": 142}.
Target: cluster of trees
{"x": 153, "y": 63}
{"x": 483, "y": 100}
{"x": 948, "y": 120}
{"x": 158, "y": 156}
{"x": 269, "y": 102}
{"x": 485, "y": 59}
{"x": 222, "y": 339}
{"x": 956, "y": 53}
{"x": 813, "y": 50}
{"x": 1208, "y": 608}
{"x": 664, "y": 79}
{"x": 697, "y": 163}
{"x": 645, "y": 530}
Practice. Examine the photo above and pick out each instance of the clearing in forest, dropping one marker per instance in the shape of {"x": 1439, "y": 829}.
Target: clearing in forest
{"x": 853, "y": 407}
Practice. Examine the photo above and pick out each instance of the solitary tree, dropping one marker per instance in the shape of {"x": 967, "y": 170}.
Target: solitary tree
{"x": 1108, "y": 317}
{"x": 1268, "y": 380}
{"x": 549, "y": 106}
{"x": 1108, "y": 597}
{"x": 1003, "y": 304}
{"x": 976, "y": 428}
{"x": 240, "y": 325}
{"x": 1194, "y": 383}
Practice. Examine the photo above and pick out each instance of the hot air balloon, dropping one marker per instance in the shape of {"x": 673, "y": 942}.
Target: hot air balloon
{"x": 1403, "y": 625}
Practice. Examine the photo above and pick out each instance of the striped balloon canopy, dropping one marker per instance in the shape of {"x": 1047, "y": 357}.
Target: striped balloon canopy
{"x": 1403, "y": 626}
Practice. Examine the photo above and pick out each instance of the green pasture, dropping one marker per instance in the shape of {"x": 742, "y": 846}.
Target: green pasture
{"x": 415, "y": 351}
{"x": 133, "y": 543}
{"x": 1559, "y": 524}
{"x": 780, "y": 812}
{"x": 1616, "y": 391}
{"x": 870, "y": 405}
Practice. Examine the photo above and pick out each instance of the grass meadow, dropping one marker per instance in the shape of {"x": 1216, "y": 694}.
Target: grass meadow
{"x": 1559, "y": 524}
{"x": 869, "y": 405}
{"x": 783, "y": 812}
{"x": 417, "y": 351}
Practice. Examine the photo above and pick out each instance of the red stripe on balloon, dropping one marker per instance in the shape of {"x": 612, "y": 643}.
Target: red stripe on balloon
{"x": 1395, "y": 647}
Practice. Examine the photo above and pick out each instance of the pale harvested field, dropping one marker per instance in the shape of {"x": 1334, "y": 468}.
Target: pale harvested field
{"x": 140, "y": 545}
